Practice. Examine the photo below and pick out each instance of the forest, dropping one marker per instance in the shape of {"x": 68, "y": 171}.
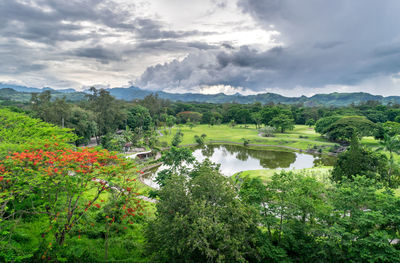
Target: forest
{"x": 70, "y": 190}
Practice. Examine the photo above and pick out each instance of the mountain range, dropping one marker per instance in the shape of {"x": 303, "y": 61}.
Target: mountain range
{"x": 22, "y": 93}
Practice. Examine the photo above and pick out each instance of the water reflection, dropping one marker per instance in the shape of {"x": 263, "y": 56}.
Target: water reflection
{"x": 236, "y": 158}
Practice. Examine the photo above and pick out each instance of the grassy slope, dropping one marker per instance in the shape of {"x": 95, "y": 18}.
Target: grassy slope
{"x": 225, "y": 133}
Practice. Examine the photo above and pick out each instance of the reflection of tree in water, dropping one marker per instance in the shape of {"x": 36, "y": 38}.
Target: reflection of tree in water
{"x": 208, "y": 150}
{"x": 275, "y": 159}
{"x": 242, "y": 155}
{"x": 268, "y": 158}
{"x": 325, "y": 160}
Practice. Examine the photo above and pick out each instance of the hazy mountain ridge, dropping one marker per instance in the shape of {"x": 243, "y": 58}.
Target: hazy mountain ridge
{"x": 21, "y": 93}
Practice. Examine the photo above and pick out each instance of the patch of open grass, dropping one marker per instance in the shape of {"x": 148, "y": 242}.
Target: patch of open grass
{"x": 302, "y": 137}
{"x": 321, "y": 173}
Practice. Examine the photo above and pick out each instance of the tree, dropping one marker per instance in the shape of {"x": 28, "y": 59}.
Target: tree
{"x": 170, "y": 120}
{"x": 357, "y": 160}
{"x": 282, "y": 122}
{"x": 155, "y": 105}
{"x": 392, "y": 145}
{"x": 257, "y": 119}
{"x": 268, "y": 113}
{"x": 83, "y": 123}
{"x": 139, "y": 119}
{"x": 177, "y": 139}
{"x": 323, "y": 124}
{"x": 293, "y": 209}
{"x": 108, "y": 113}
{"x": 55, "y": 183}
{"x": 187, "y": 116}
{"x": 56, "y": 112}
{"x": 310, "y": 122}
{"x": 366, "y": 219}
{"x": 200, "y": 139}
{"x": 344, "y": 128}
{"x": 391, "y": 128}
{"x": 19, "y": 132}
{"x": 200, "y": 219}
{"x": 267, "y": 131}
{"x": 177, "y": 160}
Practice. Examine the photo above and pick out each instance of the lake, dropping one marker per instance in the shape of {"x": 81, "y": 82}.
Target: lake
{"x": 236, "y": 158}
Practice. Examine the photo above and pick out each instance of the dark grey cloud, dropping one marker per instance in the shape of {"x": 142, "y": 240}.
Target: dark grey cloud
{"x": 100, "y": 53}
{"x": 49, "y": 21}
{"x": 323, "y": 43}
{"x": 36, "y": 34}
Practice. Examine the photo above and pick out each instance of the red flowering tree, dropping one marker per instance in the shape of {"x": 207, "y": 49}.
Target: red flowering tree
{"x": 64, "y": 185}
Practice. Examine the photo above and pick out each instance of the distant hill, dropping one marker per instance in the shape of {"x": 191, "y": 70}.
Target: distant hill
{"x": 332, "y": 99}
{"x": 35, "y": 90}
{"x": 23, "y": 94}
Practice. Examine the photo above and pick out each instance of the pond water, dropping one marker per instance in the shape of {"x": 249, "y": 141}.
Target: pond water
{"x": 236, "y": 158}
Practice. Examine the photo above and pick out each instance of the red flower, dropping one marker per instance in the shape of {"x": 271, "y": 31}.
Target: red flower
{"x": 97, "y": 205}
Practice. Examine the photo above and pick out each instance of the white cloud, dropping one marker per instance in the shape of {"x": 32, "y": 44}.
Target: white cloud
{"x": 208, "y": 46}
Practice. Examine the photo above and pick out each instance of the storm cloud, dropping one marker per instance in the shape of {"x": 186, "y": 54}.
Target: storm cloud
{"x": 320, "y": 44}
{"x": 285, "y": 46}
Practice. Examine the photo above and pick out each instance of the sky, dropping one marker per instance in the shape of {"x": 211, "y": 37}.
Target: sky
{"x": 288, "y": 47}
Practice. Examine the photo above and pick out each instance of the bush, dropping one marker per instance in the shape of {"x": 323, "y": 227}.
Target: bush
{"x": 177, "y": 138}
{"x": 245, "y": 142}
{"x": 199, "y": 140}
{"x": 267, "y": 131}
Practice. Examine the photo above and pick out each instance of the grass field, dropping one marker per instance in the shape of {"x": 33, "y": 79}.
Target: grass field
{"x": 302, "y": 137}
{"x": 321, "y": 173}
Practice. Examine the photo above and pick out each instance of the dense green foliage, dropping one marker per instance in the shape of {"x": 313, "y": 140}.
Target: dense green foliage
{"x": 62, "y": 203}
{"x": 358, "y": 160}
{"x": 199, "y": 219}
{"x": 53, "y": 195}
{"x": 20, "y": 132}
{"x": 139, "y": 119}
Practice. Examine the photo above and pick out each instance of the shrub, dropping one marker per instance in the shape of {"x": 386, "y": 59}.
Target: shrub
{"x": 199, "y": 140}
{"x": 267, "y": 131}
{"x": 245, "y": 142}
{"x": 177, "y": 138}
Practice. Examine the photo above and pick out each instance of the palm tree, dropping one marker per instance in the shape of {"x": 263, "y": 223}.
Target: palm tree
{"x": 392, "y": 145}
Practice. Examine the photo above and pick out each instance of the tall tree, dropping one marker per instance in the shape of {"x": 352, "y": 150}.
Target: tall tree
{"x": 282, "y": 122}
{"x": 392, "y": 145}
{"x": 200, "y": 219}
{"x": 108, "y": 112}
{"x": 139, "y": 118}
{"x": 357, "y": 160}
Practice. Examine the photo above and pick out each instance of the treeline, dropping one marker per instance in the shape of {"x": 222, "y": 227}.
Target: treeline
{"x": 100, "y": 116}
{"x": 203, "y": 216}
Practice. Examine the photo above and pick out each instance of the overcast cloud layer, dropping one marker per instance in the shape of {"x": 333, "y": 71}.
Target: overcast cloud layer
{"x": 250, "y": 46}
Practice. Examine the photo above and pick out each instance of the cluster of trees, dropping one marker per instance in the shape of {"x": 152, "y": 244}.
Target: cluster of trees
{"x": 204, "y": 216}
{"x": 58, "y": 202}
{"x": 101, "y": 115}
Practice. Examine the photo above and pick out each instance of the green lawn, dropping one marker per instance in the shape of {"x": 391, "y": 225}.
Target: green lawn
{"x": 236, "y": 134}
{"x": 321, "y": 173}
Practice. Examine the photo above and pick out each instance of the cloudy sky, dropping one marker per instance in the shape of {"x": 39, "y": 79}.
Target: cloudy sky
{"x": 289, "y": 47}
